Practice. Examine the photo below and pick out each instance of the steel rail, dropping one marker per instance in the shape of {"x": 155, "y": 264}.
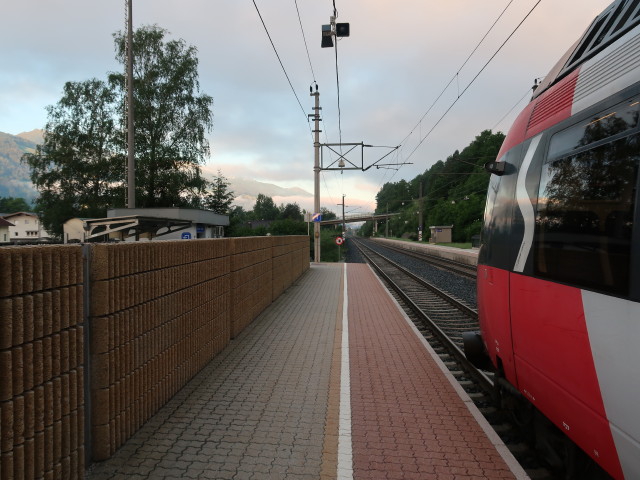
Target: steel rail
{"x": 483, "y": 379}
{"x": 461, "y": 268}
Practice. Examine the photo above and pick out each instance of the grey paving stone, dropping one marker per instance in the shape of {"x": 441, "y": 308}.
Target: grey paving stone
{"x": 258, "y": 409}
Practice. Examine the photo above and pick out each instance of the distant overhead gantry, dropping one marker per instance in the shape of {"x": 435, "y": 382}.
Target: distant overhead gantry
{"x": 360, "y": 217}
{"x": 343, "y": 163}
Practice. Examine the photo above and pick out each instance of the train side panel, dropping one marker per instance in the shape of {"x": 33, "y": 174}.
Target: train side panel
{"x": 614, "y": 329}
{"x": 555, "y": 366}
{"x": 493, "y": 283}
{"x": 559, "y": 266}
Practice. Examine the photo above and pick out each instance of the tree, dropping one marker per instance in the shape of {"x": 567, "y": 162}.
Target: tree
{"x": 219, "y": 198}
{"x": 171, "y": 119}
{"x": 265, "y": 208}
{"x": 453, "y": 192}
{"x": 291, "y": 211}
{"x": 13, "y": 204}
{"x": 78, "y": 170}
{"x": 288, "y": 226}
{"x": 327, "y": 214}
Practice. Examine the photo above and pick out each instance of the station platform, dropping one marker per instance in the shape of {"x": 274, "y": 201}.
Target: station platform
{"x": 331, "y": 381}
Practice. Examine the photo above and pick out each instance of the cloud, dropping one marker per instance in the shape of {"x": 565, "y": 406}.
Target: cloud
{"x": 397, "y": 60}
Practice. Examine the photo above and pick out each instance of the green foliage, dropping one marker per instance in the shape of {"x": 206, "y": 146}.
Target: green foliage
{"x": 80, "y": 169}
{"x": 290, "y": 211}
{"x": 219, "y": 198}
{"x": 284, "y": 220}
{"x": 288, "y": 226}
{"x": 13, "y": 205}
{"x": 171, "y": 116}
{"x": 329, "y": 251}
{"x": 327, "y": 214}
{"x": 265, "y": 208}
{"x": 453, "y": 193}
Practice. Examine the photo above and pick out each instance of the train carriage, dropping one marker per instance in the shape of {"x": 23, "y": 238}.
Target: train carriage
{"x": 559, "y": 264}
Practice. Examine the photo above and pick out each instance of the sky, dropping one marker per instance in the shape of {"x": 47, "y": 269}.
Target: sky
{"x": 398, "y": 59}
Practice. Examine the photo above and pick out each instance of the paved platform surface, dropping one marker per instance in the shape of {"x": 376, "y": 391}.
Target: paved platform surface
{"x": 313, "y": 390}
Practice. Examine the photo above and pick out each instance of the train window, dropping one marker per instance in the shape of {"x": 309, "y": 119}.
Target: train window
{"x": 615, "y": 121}
{"x": 585, "y": 216}
{"x": 624, "y": 20}
{"x": 620, "y": 17}
{"x": 580, "y": 51}
{"x": 607, "y": 29}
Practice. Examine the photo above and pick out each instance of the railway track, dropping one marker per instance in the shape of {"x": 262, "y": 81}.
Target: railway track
{"x": 442, "y": 318}
{"x": 469, "y": 271}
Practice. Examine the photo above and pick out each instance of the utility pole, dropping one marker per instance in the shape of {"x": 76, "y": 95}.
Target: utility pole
{"x": 386, "y": 226}
{"x": 316, "y": 173}
{"x": 344, "y": 224}
{"x": 420, "y": 226}
{"x": 131, "y": 166}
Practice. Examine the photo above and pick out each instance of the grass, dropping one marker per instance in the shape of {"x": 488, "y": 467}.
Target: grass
{"x": 462, "y": 245}
{"x": 457, "y": 245}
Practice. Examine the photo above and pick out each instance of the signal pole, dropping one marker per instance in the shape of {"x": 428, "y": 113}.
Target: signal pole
{"x": 316, "y": 173}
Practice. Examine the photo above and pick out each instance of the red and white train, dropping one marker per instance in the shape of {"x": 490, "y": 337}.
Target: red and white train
{"x": 559, "y": 265}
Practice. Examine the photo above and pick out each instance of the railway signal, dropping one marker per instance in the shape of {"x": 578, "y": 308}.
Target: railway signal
{"x": 333, "y": 30}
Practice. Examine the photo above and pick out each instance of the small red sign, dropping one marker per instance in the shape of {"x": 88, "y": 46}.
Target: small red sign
{"x": 339, "y": 240}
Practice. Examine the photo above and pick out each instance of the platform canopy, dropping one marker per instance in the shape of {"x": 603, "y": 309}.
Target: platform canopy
{"x": 149, "y": 221}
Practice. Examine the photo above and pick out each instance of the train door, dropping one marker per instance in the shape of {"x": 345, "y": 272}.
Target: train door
{"x": 494, "y": 260}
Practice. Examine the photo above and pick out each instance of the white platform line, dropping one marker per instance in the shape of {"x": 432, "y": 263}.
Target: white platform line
{"x": 345, "y": 453}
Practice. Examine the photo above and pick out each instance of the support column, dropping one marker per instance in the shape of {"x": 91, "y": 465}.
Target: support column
{"x": 316, "y": 174}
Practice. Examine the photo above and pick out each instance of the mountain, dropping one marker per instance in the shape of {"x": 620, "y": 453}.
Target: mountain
{"x": 246, "y": 191}
{"x": 14, "y": 176}
{"x": 36, "y": 136}
{"x": 15, "y": 181}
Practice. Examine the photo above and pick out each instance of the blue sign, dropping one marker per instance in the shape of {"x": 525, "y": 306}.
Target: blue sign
{"x": 199, "y": 228}
{"x": 186, "y": 235}
{"x": 317, "y": 217}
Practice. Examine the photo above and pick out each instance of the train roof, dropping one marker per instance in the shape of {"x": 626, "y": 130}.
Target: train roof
{"x": 616, "y": 20}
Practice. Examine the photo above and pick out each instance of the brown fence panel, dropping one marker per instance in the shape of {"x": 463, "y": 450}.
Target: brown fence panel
{"x": 159, "y": 313}
{"x": 41, "y": 362}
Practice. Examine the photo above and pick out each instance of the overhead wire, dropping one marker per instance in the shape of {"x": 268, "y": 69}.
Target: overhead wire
{"x": 455, "y": 76}
{"x": 279, "y": 60}
{"x": 338, "y": 88}
{"x": 474, "y": 79}
{"x": 285, "y": 71}
{"x": 313, "y": 75}
{"x": 528, "y": 92}
{"x": 335, "y": 15}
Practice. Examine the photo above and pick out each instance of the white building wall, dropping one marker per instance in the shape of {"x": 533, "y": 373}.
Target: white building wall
{"x": 4, "y": 235}
{"x": 27, "y": 226}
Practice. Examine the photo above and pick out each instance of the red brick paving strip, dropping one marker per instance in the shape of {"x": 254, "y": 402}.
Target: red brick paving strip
{"x": 408, "y": 422}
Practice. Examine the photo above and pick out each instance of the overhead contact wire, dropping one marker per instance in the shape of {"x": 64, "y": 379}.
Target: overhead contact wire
{"x": 313, "y": 75}
{"x": 474, "y": 79}
{"x": 455, "y": 76}
{"x": 281, "y": 64}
